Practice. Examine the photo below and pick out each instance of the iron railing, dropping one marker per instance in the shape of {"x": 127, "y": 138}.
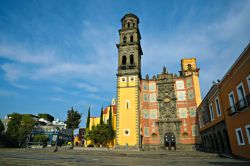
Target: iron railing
{"x": 239, "y": 106}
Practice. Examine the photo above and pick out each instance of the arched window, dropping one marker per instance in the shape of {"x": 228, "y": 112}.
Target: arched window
{"x": 133, "y": 24}
{"x": 189, "y": 67}
{"x": 128, "y": 25}
{"x": 131, "y": 38}
{"x": 124, "y": 59}
{"x": 131, "y": 59}
{"x": 124, "y": 39}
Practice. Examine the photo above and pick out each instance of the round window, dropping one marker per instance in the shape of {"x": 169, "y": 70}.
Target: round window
{"x": 126, "y": 132}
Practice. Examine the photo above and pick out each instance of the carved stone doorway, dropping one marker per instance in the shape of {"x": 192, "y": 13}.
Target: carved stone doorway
{"x": 170, "y": 141}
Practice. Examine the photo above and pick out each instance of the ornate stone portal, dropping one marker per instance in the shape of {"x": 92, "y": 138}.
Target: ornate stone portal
{"x": 168, "y": 121}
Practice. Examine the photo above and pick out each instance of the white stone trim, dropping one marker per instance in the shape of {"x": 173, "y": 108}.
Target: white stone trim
{"x": 211, "y": 111}
{"x": 248, "y": 81}
{"x": 238, "y": 137}
{"x": 217, "y": 106}
{"x": 248, "y": 132}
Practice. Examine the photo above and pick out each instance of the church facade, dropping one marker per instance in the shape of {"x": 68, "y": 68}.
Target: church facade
{"x": 157, "y": 112}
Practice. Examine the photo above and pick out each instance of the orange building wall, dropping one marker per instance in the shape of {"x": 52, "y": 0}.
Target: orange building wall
{"x": 238, "y": 74}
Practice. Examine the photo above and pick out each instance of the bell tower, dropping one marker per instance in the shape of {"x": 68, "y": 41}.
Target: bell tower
{"x": 189, "y": 69}
{"x": 128, "y": 82}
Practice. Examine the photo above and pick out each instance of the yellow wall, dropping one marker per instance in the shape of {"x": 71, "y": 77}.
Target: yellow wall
{"x": 94, "y": 121}
{"x": 106, "y": 116}
{"x": 186, "y": 61}
{"x": 127, "y": 118}
{"x": 197, "y": 90}
{"x": 195, "y": 75}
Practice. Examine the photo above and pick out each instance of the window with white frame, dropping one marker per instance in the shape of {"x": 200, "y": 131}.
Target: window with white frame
{"x": 152, "y": 86}
{"x": 145, "y": 97}
{"x": 132, "y": 78}
{"x": 123, "y": 79}
{"x": 195, "y": 130}
{"x": 146, "y": 131}
{"x": 232, "y": 101}
{"x": 217, "y": 103}
{"x": 248, "y": 82}
{"x": 179, "y": 84}
{"x": 239, "y": 136}
{"x": 248, "y": 132}
{"x": 153, "y": 114}
{"x": 211, "y": 111}
{"x": 241, "y": 94}
{"x": 181, "y": 95}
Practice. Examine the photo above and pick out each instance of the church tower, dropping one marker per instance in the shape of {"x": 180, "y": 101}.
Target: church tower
{"x": 128, "y": 83}
{"x": 189, "y": 69}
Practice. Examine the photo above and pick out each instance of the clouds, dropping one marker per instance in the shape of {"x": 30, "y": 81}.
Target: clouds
{"x": 66, "y": 53}
{"x": 87, "y": 87}
{"x": 216, "y": 43}
{"x": 6, "y": 93}
{"x": 19, "y": 53}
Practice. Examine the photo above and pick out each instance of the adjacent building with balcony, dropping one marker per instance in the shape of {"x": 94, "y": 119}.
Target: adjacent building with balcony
{"x": 224, "y": 114}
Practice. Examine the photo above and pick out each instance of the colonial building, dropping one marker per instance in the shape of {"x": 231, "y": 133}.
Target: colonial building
{"x": 224, "y": 112}
{"x": 168, "y": 108}
{"x": 94, "y": 121}
{"x": 154, "y": 113}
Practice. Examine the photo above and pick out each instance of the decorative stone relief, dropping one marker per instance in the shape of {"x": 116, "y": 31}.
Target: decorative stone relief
{"x": 192, "y": 111}
{"x": 168, "y": 121}
{"x": 190, "y": 94}
{"x": 152, "y": 97}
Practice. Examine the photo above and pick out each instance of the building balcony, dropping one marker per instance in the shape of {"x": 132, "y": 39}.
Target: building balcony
{"x": 239, "y": 106}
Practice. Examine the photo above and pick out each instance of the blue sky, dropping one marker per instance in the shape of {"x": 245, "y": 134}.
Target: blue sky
{"x": 57, "y": 54}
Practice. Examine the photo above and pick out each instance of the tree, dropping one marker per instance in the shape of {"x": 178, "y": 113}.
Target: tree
{"x": 99, "y": 134}
{"x": 1, "y": 127}
{"x": 110, "y": 128}
{"x": 12, "y": 132}
{"x": 73, "y": 121}
{"x": 88, "y": 119}
{"x": 25, "y": 128}
{"x": 101, "y": 117}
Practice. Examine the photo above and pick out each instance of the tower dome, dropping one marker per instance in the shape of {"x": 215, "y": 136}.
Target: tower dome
{"x": 129, "y": 15}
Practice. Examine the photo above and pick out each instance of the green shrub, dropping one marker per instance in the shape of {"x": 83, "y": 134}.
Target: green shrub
{"x": 40, "y": 138}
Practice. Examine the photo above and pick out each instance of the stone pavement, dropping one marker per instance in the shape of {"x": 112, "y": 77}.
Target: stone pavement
{"x": 85, "y": 156}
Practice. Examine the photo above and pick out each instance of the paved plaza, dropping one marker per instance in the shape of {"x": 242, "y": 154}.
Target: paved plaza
{"x": 65, "y": 156}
